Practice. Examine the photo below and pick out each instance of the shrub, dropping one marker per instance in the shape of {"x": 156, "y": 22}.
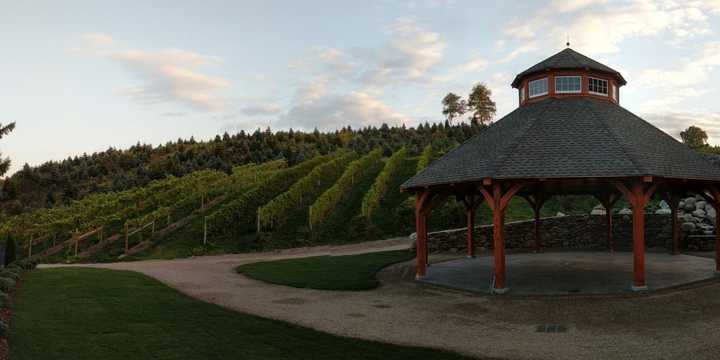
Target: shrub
{"x": 8, "y": 273}
{"x": 4, "y": 300}
{"x": 3, "y": 328}
{"x": 6, "y": 284}
{"x": 9, "y": 249}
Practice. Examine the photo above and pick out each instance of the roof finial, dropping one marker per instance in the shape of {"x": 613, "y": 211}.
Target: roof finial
{"x": 568, "y": 41}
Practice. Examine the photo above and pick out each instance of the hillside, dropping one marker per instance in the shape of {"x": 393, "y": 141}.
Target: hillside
{"x": 58, "y": 183}
{"x": 337, "y": 195}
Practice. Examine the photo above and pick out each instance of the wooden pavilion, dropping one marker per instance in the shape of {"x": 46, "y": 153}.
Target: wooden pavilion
{"x": 569, "y": 135}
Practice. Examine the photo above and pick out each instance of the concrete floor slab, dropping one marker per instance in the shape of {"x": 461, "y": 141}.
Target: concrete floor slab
{"x": 565, "y": 273}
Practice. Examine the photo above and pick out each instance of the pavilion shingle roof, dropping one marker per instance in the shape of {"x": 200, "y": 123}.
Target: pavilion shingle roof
{"x": 567, "y": 59}
{"x": 571, "y": 137}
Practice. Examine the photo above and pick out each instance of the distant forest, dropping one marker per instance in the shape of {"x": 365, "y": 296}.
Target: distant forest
{"x": 56, "y": 183}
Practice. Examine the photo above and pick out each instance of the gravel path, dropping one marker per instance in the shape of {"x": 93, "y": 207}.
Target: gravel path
{"x": 673, "y": 325}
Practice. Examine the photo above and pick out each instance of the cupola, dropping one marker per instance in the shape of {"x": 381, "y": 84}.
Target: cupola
{"x": 568, "y": 74}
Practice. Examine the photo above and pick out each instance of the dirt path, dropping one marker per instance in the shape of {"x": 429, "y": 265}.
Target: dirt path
{"x": 668, "y": 326}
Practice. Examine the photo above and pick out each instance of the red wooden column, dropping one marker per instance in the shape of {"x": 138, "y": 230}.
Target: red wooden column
{"x": 638, "y": 196}
{"x": 498, "y": 201}
{"x": 425, "y": 201}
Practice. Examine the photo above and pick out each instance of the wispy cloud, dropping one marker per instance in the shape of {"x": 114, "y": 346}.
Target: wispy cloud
{"x": 411, "y": 55}
{"x": 166, "y": 75}
{"x": 356, "y": 109}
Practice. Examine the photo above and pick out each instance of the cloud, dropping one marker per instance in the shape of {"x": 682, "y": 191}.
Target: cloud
{"x": 410, "y": 56}
{"x": 356, "y": 109}
{"x": 574, "y": 5}
{"x": 476, "y": 65}
{"x": 597, "y": 27}
{"x": 261, "y": 109}
{"x": 522, "y": 49}
{"x": 98, "y": 39}
{"x": 675, "y": 122}
{"x": 168, "y": 75}
{"x": 692, "y": 71}
{"x": 173, "y": 114}
{"x": 93, "y": 43}
{"x": 689, "y": 79}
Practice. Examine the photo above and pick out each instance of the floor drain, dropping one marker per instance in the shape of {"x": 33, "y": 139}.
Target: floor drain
{"x": 551, "y": 328}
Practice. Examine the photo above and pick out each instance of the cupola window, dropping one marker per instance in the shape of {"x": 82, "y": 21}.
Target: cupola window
{"x": 598, "y": 86}
{"x": 538, "y": 87}
{"x": 568, "y": 84}
{"x": 522, "y": 94}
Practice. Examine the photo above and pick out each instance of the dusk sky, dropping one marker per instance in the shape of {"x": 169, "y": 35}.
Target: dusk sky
{"x": 82, "y": 76}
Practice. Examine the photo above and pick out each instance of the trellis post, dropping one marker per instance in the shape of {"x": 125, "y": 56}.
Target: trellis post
{"x": 204, "y": 230}
{"x": 77, "y": 241}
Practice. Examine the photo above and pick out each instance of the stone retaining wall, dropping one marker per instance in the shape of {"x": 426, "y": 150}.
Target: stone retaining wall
{"x": 573, "y": 232}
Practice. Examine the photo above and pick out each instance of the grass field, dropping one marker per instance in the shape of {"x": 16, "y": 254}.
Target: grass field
{"x": 102, "y": 314}
{"x": 350, "y": 273}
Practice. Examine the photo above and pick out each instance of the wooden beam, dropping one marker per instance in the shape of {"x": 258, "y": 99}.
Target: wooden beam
{"x": 505, "y": 199}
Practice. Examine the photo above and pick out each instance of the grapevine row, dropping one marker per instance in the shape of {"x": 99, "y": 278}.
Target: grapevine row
{"x": 239, "y": 215}
{"x": 300, "y": 194}
{"x": 425, "y": 158}
{"x": 371, "y": 200}
{"x": 323, "y": 206}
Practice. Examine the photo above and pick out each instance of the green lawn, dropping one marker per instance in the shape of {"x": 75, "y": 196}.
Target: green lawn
{"x": 351, "y": 272}
{"x": 102, "y": 314}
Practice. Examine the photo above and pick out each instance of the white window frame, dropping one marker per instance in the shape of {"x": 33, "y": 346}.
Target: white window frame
{"x": 613, "y": 92}
{"x": 530, "y": 95}
{"x": 579, "y": 90}
{"x": 607, "y": 87}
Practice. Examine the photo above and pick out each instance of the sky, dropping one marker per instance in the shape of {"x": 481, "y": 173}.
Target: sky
{"x": 82, "y": 76}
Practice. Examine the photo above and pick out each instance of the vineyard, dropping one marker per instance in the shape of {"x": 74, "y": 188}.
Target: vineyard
{"x": 335, "y": 198}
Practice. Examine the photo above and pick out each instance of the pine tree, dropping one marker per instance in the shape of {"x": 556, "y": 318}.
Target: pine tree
{"x": 5, "y": 162}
